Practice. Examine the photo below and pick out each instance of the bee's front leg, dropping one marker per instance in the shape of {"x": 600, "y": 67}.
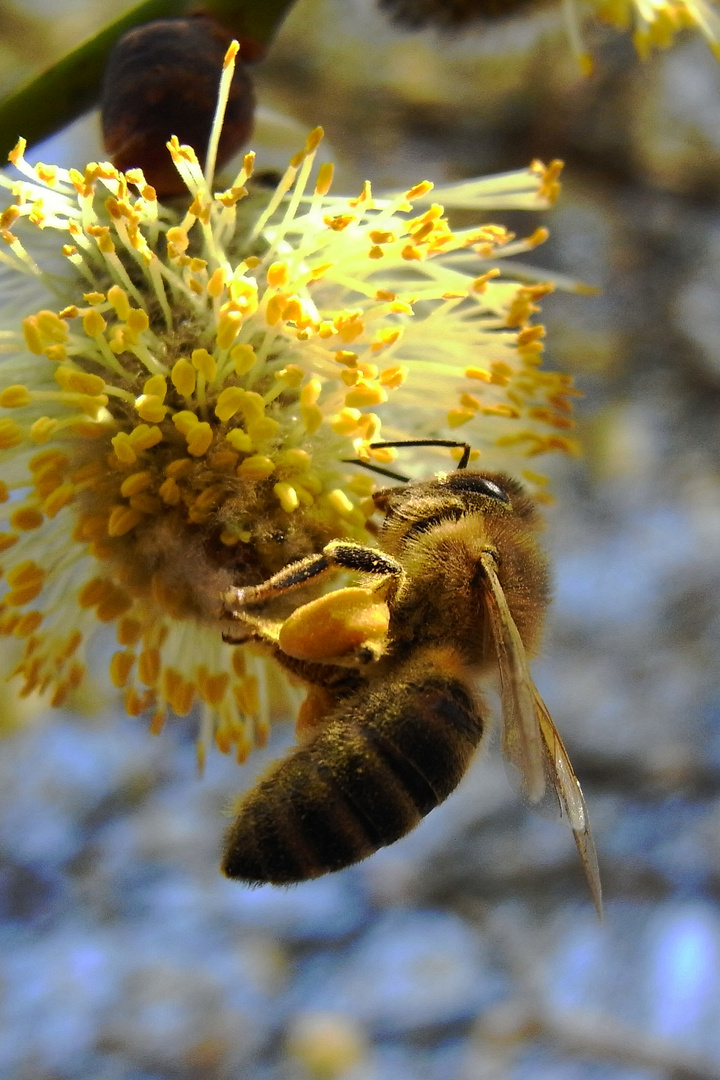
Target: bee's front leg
{"x": 337, "y": 555}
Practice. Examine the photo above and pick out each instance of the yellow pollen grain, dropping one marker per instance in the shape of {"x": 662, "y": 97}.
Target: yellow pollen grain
{"x": 122, "y": 520}
{"x": 243, "y": 357}
{"x": 183, "y": 377}
{"x": 256, "y": 467}
{"x": 203, "y": 362}
{"x": 26, "y": 518}
{"x": 199, "y": 439}
{"x": 94, "y": 324}
{"x": 15, "y": 397}
{"x": 287, "y": 496}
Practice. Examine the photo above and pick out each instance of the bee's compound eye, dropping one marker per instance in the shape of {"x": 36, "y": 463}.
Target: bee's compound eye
{"x": 483, "y": 485}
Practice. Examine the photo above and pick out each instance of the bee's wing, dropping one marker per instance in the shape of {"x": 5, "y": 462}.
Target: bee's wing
{"x": 522, "y": 745}
{"x": 530, "y": 741}
{"x": 569, "y": 794}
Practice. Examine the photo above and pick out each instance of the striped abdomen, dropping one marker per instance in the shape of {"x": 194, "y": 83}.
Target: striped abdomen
{"x": 382, "y": 760}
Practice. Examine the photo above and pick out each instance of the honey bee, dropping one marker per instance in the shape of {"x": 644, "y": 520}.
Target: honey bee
{"x": 455, "y": 592}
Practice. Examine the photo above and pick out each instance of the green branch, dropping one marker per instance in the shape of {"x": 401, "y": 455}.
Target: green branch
{"x": 72, "y": 85}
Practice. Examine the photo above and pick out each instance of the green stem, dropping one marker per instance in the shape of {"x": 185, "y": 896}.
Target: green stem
{"x": 72, "y": 85}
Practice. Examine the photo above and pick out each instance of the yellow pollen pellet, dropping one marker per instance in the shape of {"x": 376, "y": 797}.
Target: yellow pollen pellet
{"x": 216, "y": 283}
{"x": 243, "y": 356}
{"x": 122, "y": 520}
{"x": 183, "y": 377}
{"x": 26, "y": 518}
{"x": 199, "y": 439}
{"x": 229, "y": 402}
{"x": 340, "y": 502}
{"x": 256, "y": 467}
{"x": 93, "y": 324}
{"x": 365, "y": 394}
{"x": 15, "y": 397}
{"x": 121, "y": 665}
{"x": 135, "y": 483}
{"x": 287, "y": 496}
{"x": 203, "y": 362}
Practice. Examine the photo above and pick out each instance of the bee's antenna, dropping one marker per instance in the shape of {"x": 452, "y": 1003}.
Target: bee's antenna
{"x": 378, "y": 469}
{"x": 466, "y": 448}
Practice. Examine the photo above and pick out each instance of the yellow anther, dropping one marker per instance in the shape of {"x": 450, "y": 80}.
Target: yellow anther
{"x": 26, "y": 518}
{"x": 183, "y": 377}
{"x": 52, "y": 327}
{"x": 78, "y": 382}
{"x": 340, "y": 503}
{"x": 205, "y": 363}
{"x": 185, "y": 421}
{"x": 149, "y": 666}
{"x": 229, "y": 402}
{"x": 121, "y": 665}
{"x": 123, "y": 448}
{"x": 137, "y": 321}
{"x": 199, "y": 439}
{"x": 7, "y": 540}
{"x": 150, "y": 408}
{"x": 287, "y": 496}
{"x": 156, "y": 386}
{"x": 384, "y": 338}
{"x": 216, "y": 283}
{"x": 393, "y": 377}
{"x": 229, "y": 325}
{"x": 310, "y": 392}
{"x": 243, "y": 356}
{"x": 292, "y": 375}
{"x": 363, "y": 394}
{"x": 94, "y": 324}
{"x": 239, "y": 440}
{"x": 123, "y": 519}
{"x": 42, "y": 430}
{"x": 60, "y": 497}
{"x": 15, "y": 397}
{"x": 346, "y": 421}
{"x": 129, "y": 631}
{"x": 278, "y": 275}
{"x": 4, "y": 492}
{"x": 275, "y": 308}
{"x": 169, "y": 492}
{"x": 33, "y": 338}
{"x": 263, "y": 428}
{"x": 256, "y": 467}
{"x": 135, "y": 483}
{"x": 119, "y": 300}
{"x": 456, "y": 417}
